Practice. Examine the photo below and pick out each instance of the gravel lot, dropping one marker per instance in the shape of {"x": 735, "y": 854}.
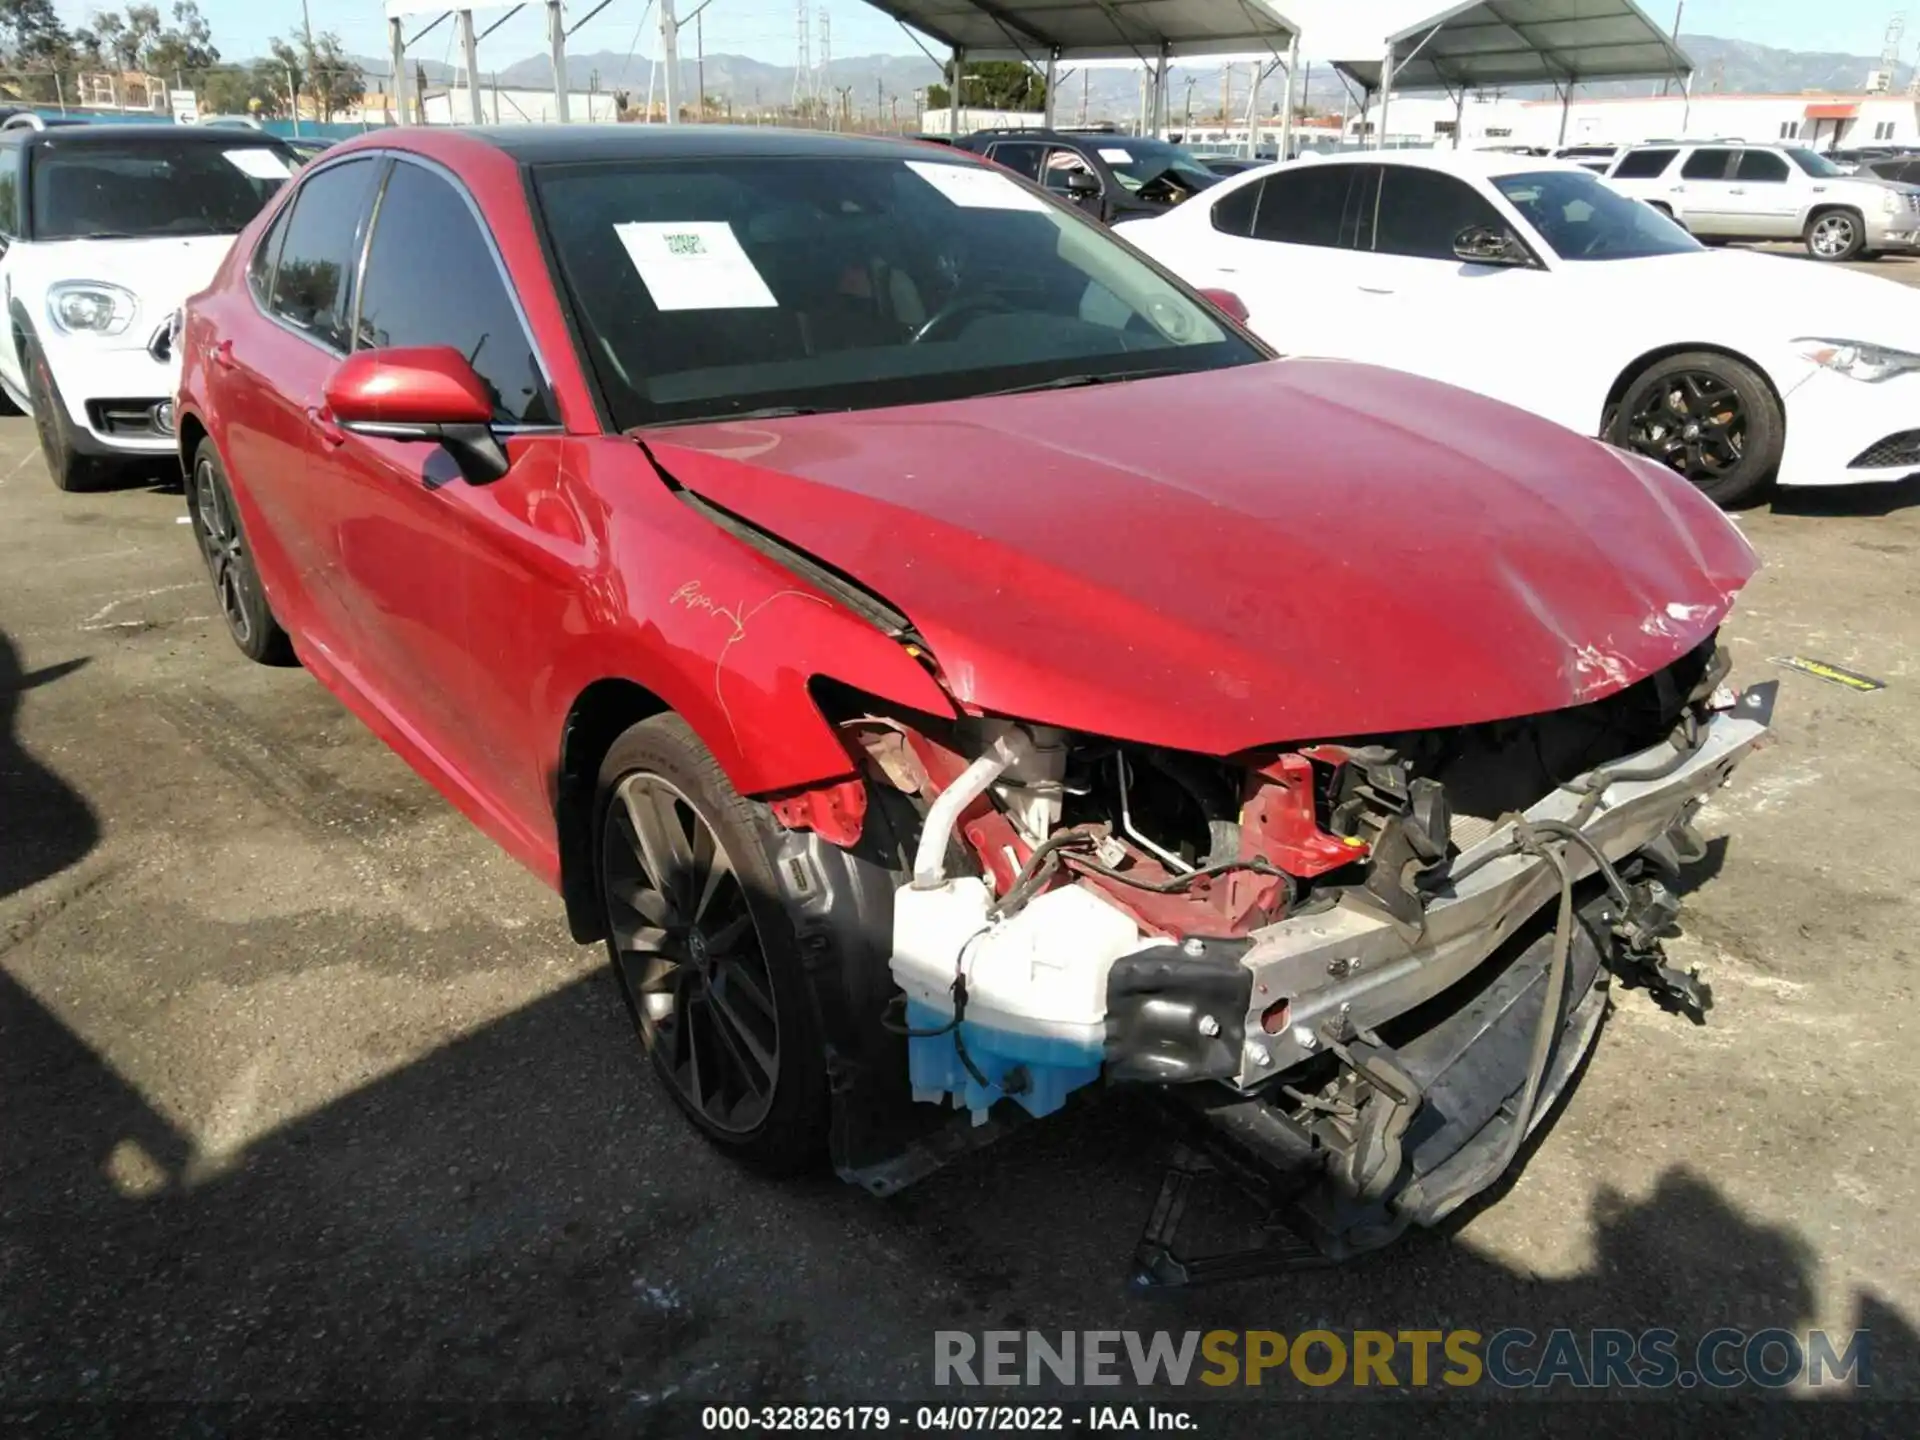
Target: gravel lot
{"x": 304, "y": 1092}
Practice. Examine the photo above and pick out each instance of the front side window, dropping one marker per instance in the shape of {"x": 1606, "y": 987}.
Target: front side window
{"x": 431, "y": 279}
{"x": 265, "y": 254}
{"x": 1814, "y": 164}
{"x": 1761, "y": 167}
{"x": 313, "y": 281}
{"x": 96, "y": 189}
{"x": 716, "y": 287}
{"x": 1423, "y": 211}
{"x": 1582, "y": 218}
{"x": 1062, "y": 162}
{"x": 1707, "y": 165}
{"x": 1644, "y": 164}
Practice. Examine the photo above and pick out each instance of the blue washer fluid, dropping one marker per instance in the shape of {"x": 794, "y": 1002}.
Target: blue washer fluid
{"x": 1053, "y": 1068}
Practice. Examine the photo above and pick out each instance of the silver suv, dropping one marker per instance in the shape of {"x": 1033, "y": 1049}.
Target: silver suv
{"x": 1729, "y": 190}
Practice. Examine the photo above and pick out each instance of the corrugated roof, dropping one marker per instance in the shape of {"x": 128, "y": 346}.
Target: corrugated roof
{"x": 1095, "y": 29}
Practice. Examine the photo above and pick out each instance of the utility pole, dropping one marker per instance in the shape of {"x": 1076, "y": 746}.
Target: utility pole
{"x": 293, "y": 94}
{"x": 1085, "y": 76}
{"x": 670, "y": 58}
{"x": 700, "y": 58}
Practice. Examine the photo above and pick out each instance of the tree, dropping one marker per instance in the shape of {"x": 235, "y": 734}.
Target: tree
{"x": 31, "y": 32}
{"x": 137, "y": 38}
{"x": 256, "y": 89}
{"x": 993, "y": 85}
{"x": 322, "y": 71}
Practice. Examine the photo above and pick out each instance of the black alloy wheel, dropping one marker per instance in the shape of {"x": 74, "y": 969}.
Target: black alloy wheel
{"x": 236, "y": 581}
{"x": 1709, "y": 418}
{"x": 690, "y": 956}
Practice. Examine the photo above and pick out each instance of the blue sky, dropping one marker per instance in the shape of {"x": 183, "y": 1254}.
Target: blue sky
{"x": 765, "y": 29}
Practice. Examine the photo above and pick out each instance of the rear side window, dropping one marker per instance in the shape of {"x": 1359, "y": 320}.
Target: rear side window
{"x": 313, "y": 281}
{"x": 1422, "y": 211}
{"x": 1644, "y": 164}
{"x": 1021, "y": 159}
{"x": 432, "y": 280}
{"x": 1707, "y": 165}
{"x": 1233, "y": 214}
{"x": 1760, "y": 166}
{"x": 1304, "y": 206}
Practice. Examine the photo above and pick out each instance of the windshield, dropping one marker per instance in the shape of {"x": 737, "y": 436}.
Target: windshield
{"x": 1583, "y": 218}
{"x": 1814, "y": 164}
{"x": 716, "y": 287}
{"x": 1138, "y": 163}
{"x": 153, "y": 186}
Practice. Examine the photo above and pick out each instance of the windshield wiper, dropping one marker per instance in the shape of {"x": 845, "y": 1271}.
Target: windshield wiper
{"x": 103, "y": 235}
{"x": 1074, "y": 382}
{"x": 769, "y": 412}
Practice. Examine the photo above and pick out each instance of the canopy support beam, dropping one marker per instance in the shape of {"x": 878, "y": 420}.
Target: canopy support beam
{"x": 557, "y": 50}
{"x": 953, "y": 91}
{"x": 470, "y": 58}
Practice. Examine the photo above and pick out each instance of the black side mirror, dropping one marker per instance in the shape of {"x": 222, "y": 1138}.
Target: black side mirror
{"x": 1479, "y": 245}
{"x": 1083, "y": 185}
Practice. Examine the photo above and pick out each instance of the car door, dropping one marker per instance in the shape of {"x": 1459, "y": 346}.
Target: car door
{"x": 1700, "y": 194}
{"x": 12, "y": 166}
{"x": 1284, "y": 245}
{"x": 427, "y": 560}
{"x": 1425, "y": 310}
{"x": 265, "y": 378}
{"x": 1765, "y": 200}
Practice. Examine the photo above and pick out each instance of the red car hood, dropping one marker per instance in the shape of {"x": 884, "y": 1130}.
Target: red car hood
{"x": 1213, "y": 562}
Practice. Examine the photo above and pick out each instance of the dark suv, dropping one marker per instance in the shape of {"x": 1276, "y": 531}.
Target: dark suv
{"x": 1112, "y": 177}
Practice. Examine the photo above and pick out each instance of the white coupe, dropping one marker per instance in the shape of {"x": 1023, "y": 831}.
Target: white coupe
{"x": 1533, "y": 282}
{"x": 104, "y": 231}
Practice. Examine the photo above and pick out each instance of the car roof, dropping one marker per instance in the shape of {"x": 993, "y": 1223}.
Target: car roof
{"x": 1468, "y": 164}
{"x": 561, "y": 144}
{"x": 84, "y": 134}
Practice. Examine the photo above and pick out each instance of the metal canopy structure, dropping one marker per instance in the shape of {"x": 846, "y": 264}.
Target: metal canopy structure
{"x": 1483, "y": 43}
{"x": 1046, "y": 32}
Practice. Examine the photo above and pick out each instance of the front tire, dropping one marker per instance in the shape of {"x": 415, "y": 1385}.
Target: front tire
{"x": 230, "y": 564}
{"x": 1710, "y": 418}
{"x": 1835, "y": 235}
{"x": 70, "y": 470}
{"x": 704, "y": 949}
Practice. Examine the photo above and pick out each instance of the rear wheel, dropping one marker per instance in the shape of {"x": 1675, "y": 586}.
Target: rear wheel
{"x": 1836, "y": 235}
{"x": 704, "y": 950}
{"x": 1708, "y": 417}
{"x": 229, "y": 559}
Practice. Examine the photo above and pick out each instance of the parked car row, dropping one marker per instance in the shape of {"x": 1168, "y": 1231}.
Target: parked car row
{"x": 923, "y": 636}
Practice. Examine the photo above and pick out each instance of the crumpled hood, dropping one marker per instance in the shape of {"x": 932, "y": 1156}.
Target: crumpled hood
{"x": 1213, "y": 562}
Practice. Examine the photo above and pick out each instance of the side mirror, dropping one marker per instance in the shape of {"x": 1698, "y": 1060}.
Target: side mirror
{"x": 1227, "y": 303}
{"x": 1083, "y": 185}
{"x": 427, "y": 393}
{"x": 1479, "y": 245}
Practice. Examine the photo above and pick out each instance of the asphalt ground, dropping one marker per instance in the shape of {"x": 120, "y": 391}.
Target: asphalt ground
{"x": 305, "y": 1095}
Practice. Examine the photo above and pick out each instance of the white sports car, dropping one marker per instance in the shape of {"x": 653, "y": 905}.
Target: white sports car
{"x": 104, "y": 231}
{"x": 1532, "y": 281}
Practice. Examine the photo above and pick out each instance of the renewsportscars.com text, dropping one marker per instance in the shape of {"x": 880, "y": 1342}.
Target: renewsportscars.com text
{"x": 1510, "y": 1358}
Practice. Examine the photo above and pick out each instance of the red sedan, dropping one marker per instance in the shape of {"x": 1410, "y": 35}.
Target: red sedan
{"x": 951, "y": 664}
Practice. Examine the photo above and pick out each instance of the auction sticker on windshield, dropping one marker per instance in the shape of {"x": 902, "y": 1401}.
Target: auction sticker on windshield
{"x": 976, "y": 189}
{"x": 259, "y": 163}
{"x": 694, "y": 265}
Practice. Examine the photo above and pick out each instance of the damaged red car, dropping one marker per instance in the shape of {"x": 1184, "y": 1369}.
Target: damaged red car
{"x": 955, "y": 669}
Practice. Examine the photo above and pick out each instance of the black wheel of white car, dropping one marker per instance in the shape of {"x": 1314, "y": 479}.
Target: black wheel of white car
{"x": 236, "y": 579}
{"x": 704, "y": 950}
{"x": 70, "y": 470}
{"x": 1710, "y": 418}
{"x": 1835, "y": 235}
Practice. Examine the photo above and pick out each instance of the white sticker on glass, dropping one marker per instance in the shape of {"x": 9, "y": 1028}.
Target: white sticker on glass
{"x": 694, "y": 265}
{"x": 1113, "y": 155}
{"x": 976, "y": 187}
{"x": 258, "y": 162}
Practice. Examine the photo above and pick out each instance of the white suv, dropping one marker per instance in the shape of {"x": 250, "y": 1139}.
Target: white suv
{"x": 1729, "y": 190}
{"x": 105, "y": 230}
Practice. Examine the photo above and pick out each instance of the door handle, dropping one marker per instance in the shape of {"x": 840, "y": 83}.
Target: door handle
{"x": 222, "y": 355}
{"x": 1736, "y": 190}
{"x": 330, "y": 433}
{"x": 1228, "y": 269}
{"x": 1374, "y": 290}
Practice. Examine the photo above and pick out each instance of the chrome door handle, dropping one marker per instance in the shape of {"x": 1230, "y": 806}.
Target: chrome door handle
{"x": 1374, "y": 290}
{"x": 1736, "y": 190}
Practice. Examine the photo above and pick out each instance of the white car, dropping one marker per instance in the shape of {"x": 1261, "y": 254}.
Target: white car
{"x": 1534, "y": 282}
{"x": 104, "y": 231}
{"x": 1730, "y": 190}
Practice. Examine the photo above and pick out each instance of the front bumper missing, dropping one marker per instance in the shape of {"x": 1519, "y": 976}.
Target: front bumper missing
{"x": 1356, "y": 961}
{"x": 1410, "y": 1070}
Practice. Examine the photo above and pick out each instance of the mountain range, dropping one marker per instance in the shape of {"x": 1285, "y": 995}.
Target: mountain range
{"x": 1727, "y": 66}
